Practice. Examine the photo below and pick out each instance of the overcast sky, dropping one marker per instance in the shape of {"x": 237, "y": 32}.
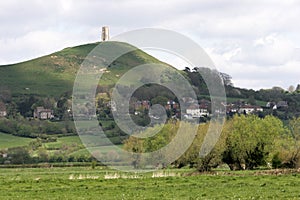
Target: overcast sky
{"x": 256, "y": 43}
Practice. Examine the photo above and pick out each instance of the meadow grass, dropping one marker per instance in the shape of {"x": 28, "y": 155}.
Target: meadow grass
{"x": 86, "y": 183}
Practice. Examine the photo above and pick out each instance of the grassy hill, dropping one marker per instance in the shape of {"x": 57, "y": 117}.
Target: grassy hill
{"x": 54, "y": 74}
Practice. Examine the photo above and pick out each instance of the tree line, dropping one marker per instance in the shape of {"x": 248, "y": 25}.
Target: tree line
{"x": 246, "y": 142}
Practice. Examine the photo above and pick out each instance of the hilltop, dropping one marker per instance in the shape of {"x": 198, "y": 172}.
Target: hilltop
{"x": 54, "y": 74}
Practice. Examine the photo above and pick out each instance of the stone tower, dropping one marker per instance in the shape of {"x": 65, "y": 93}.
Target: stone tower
{"x": 105, "y": 33}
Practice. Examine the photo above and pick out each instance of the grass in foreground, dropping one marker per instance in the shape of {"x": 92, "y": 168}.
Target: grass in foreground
{"x": 85, "y": 183}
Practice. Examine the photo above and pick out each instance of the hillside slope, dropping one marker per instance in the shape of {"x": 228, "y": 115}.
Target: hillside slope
{"x": 54, "y": 74}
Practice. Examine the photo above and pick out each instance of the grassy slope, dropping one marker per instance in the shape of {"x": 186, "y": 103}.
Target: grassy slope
{"x": 7, "y": 141}
{"x": 54, "y": 74}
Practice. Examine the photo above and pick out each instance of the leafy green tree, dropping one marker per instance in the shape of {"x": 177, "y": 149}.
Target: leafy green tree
{"x": 135, "y": 145}
{"x": 25, "y": 105}
{"x": 166, "y": 134}
{"x": 249, "y": 140}
{"x": 150, "y": 144}
{"x": 287, "y": 151}
{"x": 52, "y": 128}
{"x": 8, "y": 126}
{"x": 43, "y": 155}
{"x": 160, "y": 100}
{"x": 192, "y": 157}
{"x": 24, "y": 130}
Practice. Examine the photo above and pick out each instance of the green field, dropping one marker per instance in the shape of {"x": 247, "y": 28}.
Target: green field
{"x": 7, "y": 141}
{"x": 68, "y": 140}
{"x": 87, "y": 183}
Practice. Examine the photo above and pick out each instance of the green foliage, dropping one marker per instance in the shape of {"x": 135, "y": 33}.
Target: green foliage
{"x": 249, "y": 140}
{"x": 276, "y": 161}
{"x": 35, "y": 128}
{"x": 135, "y": 145}
{"x": 8, "y": 126}
{"x": 18, "y": 155}
{"x": 165, "y": 136}
{"x": 288, "y": 146}
{"x": 94, "y": 164}
{"x": 192, "y": 156}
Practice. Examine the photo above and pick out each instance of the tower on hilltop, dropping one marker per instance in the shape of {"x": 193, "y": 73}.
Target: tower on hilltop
{"x": 105, "y": 33}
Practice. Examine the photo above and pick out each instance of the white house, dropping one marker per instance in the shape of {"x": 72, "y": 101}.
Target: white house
{"x": 247, "y": 109}
{"x": 42, "y": 113}
{"x": 196, "y": 111}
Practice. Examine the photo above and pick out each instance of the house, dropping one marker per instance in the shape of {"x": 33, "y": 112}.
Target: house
{"x": 204, "y": 109}
{"x": 3, "y": 111}
{"x": 278, "y": 105}
{"x": 247, "y": 109}
{"x": 42, "y": 113}
{"x": 270, "y": 104}
{"x": 232, "y": 108}
{"x": 196, "y": 111}
{"x": 3, "y": 155}
{"x": 145, "y": 104}
{"x": 112, "y": 105}
{"x": 282, "y": 104}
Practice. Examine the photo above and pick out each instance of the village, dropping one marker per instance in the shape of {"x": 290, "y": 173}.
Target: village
{"x": 202, "y": 108}
{"x": 195, "y": 109}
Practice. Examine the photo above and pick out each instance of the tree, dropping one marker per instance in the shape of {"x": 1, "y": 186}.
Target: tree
{"x": 187, "y": 69}
{"x": 160, "y": 100}
{"x": 287, "y": 152}
{"x": 43, "y": 155}
{"x": 291, "y": 89}
{"x": 24, "y": 130}
{"x": 19, "y": 155}
{"x": 249, "y": 140}
{"x": 251, "y": 100}
{"x": 135, "y": 145}
{"x": 25, "y": 105}
{"x": 12, "y": 110}
{"x": 226, "y": 79}
{"x": 298, "y": 87}
{"x": 63, "y": 106}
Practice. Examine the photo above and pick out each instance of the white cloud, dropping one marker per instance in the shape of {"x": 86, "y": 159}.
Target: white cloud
{"x": 272, "y": 50}
{"x": 249, "y": 74}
